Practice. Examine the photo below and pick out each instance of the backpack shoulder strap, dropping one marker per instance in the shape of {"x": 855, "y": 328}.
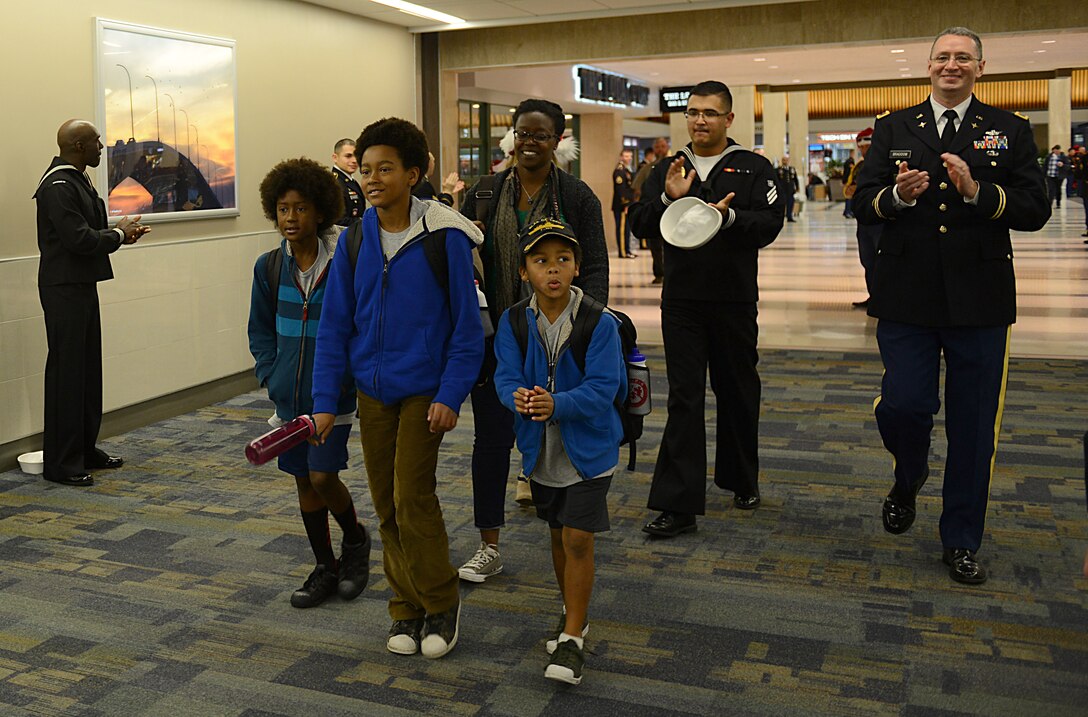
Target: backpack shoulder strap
{"x": 585, "y": 323}
{"x": 355, "y": 241}
{"x": 485, "y": 189}
{"x": 273, "y": 263}
{"x": 434, "y": 247}
{"x": 520, "y": 325}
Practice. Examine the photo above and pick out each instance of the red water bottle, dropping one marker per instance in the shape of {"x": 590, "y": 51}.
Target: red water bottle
{"x": 279, "y": 440}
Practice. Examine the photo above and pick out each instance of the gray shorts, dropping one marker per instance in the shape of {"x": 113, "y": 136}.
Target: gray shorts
{"x": 582, "y": 506}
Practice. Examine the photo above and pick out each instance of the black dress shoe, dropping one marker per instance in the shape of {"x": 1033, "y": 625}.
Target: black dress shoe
{"x": 81, "y": 480}
{"x": 746, "y": 502}
{"x": 963, "y": 567}
{"x": 898, "y": 512}
{"x": 670, "y": 525}
{"x": 860, "y": 304}
{"x": 100, "y": 464}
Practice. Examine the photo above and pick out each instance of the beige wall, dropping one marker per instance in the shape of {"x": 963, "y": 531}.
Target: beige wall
{"x": 175, "y": 315}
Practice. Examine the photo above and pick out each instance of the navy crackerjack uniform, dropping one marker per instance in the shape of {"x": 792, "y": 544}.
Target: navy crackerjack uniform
{"x": 708, "y": 318}
{"x": 944, "y": 284}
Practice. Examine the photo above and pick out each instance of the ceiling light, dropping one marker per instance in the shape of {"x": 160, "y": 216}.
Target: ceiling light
{"x": 1049, "y": 42}
{"x": 901, "y": 59}
{"x": 904, "y": 69}
{"x": 898, "y": 52}
{"x": 475, "y": 106}
{"x": 796, "y": 82}
{"x": 512, "y": 109}
{"x": 568, "y": 116}
{"x": 759, "y": 59}
{"x": 420, "y": 11}
{"x": 773, "y": 67}
{"x": 1039, "y": 52}
{"x": 906, "y": 75}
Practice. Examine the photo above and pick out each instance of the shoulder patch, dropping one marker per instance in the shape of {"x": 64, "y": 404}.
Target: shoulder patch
{"x": 1021, "y": 115}
{"x": 883, "y": 114}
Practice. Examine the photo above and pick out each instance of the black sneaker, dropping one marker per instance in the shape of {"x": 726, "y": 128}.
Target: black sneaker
{"x": 553, "y": 642}
{"x": 317, "y": 588}
{"x": 404, "y": 636}
{"x": 566, "y": 663}
{"x": 440, "y": 632}
{"x": 354, "y": 567}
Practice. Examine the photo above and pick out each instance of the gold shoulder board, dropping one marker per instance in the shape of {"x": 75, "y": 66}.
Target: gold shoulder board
{"x": 883, "y": 114}
{"x": 1021, "y": 115}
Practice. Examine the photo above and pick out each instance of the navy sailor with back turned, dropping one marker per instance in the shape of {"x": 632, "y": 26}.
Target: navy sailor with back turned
{"x": 947, "y": 179}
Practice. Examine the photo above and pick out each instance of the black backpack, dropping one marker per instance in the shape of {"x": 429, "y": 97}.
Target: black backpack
{"x": 585, "y": 322}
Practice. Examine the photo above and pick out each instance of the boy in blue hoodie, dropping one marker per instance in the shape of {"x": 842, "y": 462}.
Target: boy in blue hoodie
{"x": 408, "y": 327}
{"x": 569, "y": 430}
{"x": 301, "y": 198}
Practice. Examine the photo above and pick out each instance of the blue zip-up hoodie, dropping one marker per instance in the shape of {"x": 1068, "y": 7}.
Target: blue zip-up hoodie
{"x": 282, "y": 339}
{"x": 584, "y": 403}
{"x": 400, "y": 333}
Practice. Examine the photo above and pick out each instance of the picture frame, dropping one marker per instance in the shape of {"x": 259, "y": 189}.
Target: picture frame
{"x": 167, "y": 111}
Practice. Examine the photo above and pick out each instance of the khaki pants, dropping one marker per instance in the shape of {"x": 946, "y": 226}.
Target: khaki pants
{"x": 401, "y": 455}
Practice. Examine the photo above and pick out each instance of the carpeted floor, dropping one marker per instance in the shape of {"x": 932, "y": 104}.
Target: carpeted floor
{"x": 164, "y": 589}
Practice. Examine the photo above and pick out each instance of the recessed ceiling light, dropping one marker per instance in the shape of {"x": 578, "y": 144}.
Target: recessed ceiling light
{"x": 476, "y": 106}
{"x": 904, "y": 69}
{"x": 796, "y": 82}
{"x": 1039, "y": 52}
{"x": 420, "y": 11}
{"x": 759, "y": 59}
{"x": 1049, "y": 42}
{"x": 568, "y": 116}
{"x": 906, "y": 75}
{"x": 513, "y": 109}
{"x": 772, "y": 67}
{"x": 898, "y": 52}
{"x": 900, "y": 59}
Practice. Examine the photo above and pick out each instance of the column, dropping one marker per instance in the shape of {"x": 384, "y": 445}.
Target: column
{"x": 601, "y": 142}
{"x": 744, "y": 111}
{"x": 798, "y": 124}
{"x": 446, "y": 154}
{"x": 774, "y": 126}
{"x": 1059, "y": 107}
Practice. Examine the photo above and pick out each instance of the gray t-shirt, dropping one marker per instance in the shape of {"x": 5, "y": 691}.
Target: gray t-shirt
{"x": 393, "y": 241}
{"x": 307, "y": 279}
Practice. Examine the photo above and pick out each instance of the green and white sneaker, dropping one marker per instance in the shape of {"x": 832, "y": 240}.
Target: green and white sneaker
{"x": 566, "y": 663}
{"x": 551, "y": 644}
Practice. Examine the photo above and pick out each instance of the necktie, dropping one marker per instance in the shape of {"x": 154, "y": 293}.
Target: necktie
{"x": 949, "y": 128}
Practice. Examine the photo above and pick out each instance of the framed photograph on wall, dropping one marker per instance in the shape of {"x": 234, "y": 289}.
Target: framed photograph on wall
{"x": 166, "y": 111}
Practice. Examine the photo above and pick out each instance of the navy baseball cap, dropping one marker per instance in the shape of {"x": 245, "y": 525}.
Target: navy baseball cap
{"x": 541, "y": 229}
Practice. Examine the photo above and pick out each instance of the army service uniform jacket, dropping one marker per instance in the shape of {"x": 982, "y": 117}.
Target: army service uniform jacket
{"x": 944, "y": 262}
{"x": 353, "y": 197}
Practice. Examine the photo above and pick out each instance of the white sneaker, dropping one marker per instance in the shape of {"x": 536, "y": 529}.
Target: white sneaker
{"x": 524, "y": 494}
{"x": 485, "y": 563}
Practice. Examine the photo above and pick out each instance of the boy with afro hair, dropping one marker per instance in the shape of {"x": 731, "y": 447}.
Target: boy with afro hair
{"x": 410, "y": 332}
{"x": 302, "y": 200}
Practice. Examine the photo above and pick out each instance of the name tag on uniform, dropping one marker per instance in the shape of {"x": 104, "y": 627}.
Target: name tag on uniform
{"x": 899, "y": 154}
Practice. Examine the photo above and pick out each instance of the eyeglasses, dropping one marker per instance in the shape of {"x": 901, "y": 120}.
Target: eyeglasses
{"x": 709, "y": 115}
{"x": 960, "y": 59}
{"x": 538, "y": 137}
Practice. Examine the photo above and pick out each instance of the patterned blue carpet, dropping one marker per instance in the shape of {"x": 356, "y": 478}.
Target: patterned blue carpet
{"x": 164, "y": 589}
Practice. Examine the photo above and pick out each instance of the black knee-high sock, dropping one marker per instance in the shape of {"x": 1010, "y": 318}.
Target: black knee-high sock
{"x": 317, "y": 530}
{"x": 349, "y": 523}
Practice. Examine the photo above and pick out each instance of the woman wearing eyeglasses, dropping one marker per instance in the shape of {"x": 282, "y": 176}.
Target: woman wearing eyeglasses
{"x": 533, "y": 188}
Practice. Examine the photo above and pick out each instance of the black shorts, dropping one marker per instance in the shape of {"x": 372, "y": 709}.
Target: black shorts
{"x": 582, "y": 506}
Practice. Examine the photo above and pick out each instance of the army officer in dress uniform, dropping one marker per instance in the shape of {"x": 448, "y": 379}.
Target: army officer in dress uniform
{"x": 622, "y": 196}
{"x": 344, "y": 164}
{"x": 947, "y": 179}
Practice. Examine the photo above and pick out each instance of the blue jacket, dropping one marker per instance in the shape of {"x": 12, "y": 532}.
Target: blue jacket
{"x": 400, "y": 333}
{"x": 584, "y": 403}
{"x": 282, "y": 339}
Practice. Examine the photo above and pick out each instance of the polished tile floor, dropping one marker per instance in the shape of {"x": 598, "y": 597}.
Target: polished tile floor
{"x": 811, "y": 274}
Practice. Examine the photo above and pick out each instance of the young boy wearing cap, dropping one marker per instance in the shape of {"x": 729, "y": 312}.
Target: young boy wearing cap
{"x": 569, "y": 431}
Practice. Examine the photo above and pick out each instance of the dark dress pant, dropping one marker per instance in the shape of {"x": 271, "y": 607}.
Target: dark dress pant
{"x": 73, "y": 378}
{"x": 493, "y": 426}
{"x": 722, "y": 337}
{"x": 976, "y": 367}
{"x": 868, "y": 243}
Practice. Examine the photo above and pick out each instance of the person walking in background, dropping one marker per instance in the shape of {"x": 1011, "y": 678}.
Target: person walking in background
{"x": 654, "y": 241}
{"x": 1056, "y": 165}
{"x": 847, "y": 169}
{"x": 622, "y": 196}
{"x": 944, "y": 285}
{"x": 787, "y": 184}
{"x": 868, "y": 235}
